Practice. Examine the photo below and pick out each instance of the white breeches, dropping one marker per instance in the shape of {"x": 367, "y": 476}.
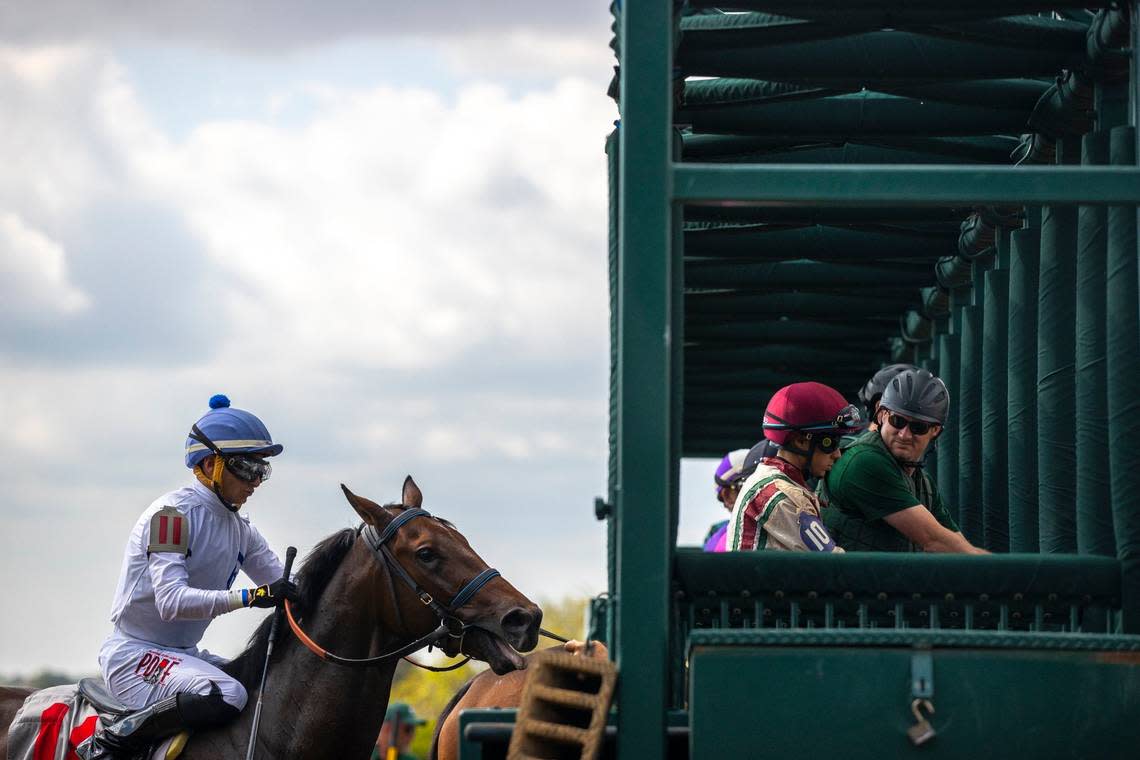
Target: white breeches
{"x": 141, "y": 673}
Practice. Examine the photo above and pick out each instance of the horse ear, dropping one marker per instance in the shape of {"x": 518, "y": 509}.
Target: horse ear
{"x": 412, "y": 495}
{"x": 369, "y": 511}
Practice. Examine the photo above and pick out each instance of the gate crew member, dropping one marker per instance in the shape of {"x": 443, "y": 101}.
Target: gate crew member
{"x": 878, "y": 495}
{"x": 180, "y": 563}
{"x": 776, "y": 509}
{"x": 397, "y": 733}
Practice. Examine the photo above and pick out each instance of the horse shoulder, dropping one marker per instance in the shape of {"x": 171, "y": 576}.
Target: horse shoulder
{"x": 485, "y": 690}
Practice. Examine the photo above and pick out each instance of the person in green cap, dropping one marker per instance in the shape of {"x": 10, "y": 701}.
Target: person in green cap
{"x": 877, "y": 496}
{"x": 400, "y": 724}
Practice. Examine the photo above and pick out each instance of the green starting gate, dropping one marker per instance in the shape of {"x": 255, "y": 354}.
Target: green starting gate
{"x": 807, "y": 189}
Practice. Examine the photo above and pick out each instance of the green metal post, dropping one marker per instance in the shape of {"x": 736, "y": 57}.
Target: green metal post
{"x": 1094, "y": 508}
{"x": 613, "y": 142}
{"x": 874, "y": 184}
{"x": 1021, "y": 435}
{"x": 1056, "y": 349}
{"x": 1134, "y": 97}
{"x": 1123, "y": 354}
{"x": 645, "y": 468}
{"x": 677, "y": 357}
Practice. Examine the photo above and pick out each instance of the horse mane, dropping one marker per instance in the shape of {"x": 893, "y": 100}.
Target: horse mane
{"x": 317, "y": 570}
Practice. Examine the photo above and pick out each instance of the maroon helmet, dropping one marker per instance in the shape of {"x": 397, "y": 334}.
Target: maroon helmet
{"x": 809, "y": 408}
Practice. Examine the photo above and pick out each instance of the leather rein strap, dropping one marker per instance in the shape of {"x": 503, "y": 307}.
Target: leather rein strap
{"x": 449, "y": 624}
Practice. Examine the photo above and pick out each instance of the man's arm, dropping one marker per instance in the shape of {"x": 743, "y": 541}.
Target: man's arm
{"x": 176, "y": 599}
{"x": 921, "y": 527}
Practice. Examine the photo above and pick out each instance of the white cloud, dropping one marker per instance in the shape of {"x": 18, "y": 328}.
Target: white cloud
{"x": 33, "y": 273}
{"x": 396, "y": 228}
{"x": 48, "y": 165}
{"x": 525, "y": 53}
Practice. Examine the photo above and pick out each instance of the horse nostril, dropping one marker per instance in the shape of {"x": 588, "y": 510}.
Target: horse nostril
{"x": 518, "y": 622}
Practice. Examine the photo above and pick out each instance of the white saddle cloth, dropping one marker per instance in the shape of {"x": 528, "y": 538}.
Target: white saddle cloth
{"x": 53, "y": 722}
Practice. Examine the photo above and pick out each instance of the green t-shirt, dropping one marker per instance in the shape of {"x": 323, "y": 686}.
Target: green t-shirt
{"x": 866, "y": 485}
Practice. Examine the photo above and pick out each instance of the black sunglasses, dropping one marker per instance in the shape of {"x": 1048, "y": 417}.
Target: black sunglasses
{"x": 918, "y": 427}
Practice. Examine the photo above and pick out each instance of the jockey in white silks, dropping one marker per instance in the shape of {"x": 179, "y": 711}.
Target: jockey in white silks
{"x": 179, "y": 565}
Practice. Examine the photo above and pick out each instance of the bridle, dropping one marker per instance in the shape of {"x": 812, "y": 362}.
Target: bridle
{"x": 450, "y": 626}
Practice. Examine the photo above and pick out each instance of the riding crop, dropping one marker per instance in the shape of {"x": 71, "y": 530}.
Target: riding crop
{"x": 290, "y": 555}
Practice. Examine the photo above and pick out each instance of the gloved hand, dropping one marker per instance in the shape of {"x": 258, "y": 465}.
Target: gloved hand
{"x": 272, "y": 594}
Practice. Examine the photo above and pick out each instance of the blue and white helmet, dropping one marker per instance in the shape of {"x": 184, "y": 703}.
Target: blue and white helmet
{"x": 232, "y": 431}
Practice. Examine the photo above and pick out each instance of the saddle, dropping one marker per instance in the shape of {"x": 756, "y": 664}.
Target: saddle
{"x": 53, "y": 722}
{"x": 101, "y": 698}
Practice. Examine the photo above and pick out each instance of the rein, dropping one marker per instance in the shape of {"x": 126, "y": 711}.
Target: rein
{"x": 465, "y": 660}
{"x": 449, "y": 624}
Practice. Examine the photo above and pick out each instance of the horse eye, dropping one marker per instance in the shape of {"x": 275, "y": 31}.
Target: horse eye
{"x": 425, "y": 555}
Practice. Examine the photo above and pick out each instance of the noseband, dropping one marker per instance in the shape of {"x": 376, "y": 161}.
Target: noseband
{"x": 449, "y": 624}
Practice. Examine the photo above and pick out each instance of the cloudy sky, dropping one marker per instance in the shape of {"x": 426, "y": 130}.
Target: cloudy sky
{"x": 379, "y": 226}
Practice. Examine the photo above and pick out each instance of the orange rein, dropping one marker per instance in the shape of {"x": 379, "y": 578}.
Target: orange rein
{"x": 303, "y": 637}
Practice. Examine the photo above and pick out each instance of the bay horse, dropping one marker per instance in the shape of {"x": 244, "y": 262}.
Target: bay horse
{"x": 490, "y": 689}
{"x": 359, "y": 605}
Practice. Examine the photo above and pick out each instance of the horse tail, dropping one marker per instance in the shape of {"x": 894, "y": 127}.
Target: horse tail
{"x": 451, "y": 703}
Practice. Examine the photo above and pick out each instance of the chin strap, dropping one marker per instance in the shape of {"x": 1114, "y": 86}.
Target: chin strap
{"x": 805, "y": 470}
{"x": 214, "y": 482}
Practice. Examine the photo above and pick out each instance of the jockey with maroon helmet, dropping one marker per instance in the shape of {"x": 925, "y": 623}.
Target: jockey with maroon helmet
{"x": 776, "y": 509}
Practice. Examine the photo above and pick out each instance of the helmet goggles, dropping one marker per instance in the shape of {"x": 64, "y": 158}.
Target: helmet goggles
{"x": 248, "y": 468}
{"x": 245, "y": 467}
{"x": 828, "y": 435}
{"x": 849, "y": 420}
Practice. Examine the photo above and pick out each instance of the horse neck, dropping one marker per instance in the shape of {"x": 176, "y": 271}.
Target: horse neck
{"x": 314, "y": 708}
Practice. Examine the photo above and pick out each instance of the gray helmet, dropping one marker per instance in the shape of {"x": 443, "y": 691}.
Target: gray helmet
{"x": 765, "y": 449}
{"x": 917, "y": 394}
{"x": 874, "y": 388}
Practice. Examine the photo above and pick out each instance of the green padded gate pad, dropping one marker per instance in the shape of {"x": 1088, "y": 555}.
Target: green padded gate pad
{"x": 1056, "y": 378}
{"x": 818, "y": 694}
{"x": 1094, "y": 499}
{"x": 1123, "y": 336}
{"x": 1021, "y": 381}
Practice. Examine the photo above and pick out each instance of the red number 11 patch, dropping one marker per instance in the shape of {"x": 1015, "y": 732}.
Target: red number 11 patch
{"x": 169, "y": 531}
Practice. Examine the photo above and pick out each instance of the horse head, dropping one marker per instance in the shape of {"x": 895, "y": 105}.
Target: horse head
{"x": 498, "y": 620}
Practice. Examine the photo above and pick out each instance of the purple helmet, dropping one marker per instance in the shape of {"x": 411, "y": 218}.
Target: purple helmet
{"x": 729, "y": 470}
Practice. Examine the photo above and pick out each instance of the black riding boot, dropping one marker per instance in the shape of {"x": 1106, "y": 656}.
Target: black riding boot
{"x": 130, "y": 737}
